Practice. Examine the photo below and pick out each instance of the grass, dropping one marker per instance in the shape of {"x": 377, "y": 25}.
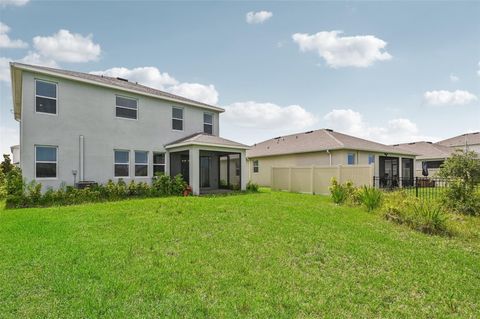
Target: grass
{"x": 266, "y": 255}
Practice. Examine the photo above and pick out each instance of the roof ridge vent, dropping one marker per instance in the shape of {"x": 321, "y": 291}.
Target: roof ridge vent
{"x": 429, "y": 143}
{"x": 308, "y": 132}
{"x": 328, "y": 130}
{"x": 122, "y": 79}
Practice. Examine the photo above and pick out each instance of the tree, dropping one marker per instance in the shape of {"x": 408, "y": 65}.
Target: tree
{"x": 463, "y": 172}
{"x": 6, "y": 166}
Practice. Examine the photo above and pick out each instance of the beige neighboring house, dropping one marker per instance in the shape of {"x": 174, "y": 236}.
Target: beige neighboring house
{"x": 15, "y": 149}
{"x": 430, "y": 155}
{"x": 468, "y": 141}
{"x": 326, "y": 147}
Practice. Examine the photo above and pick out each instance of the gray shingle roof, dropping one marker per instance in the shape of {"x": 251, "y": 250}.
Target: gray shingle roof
{"x": 121, "y": 84}
{"x": 426, "y": 150}
{"x": 319, "y": 140}
{"x": 206, "y": 139}
{"x": 469, "y": 138}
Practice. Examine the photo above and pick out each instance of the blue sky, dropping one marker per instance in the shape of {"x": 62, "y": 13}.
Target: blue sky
{"x": 394, "y": 71}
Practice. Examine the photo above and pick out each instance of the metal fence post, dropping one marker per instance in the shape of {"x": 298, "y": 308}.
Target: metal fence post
{"x": 416, "y": 186}
{"x": 373, "y": 181}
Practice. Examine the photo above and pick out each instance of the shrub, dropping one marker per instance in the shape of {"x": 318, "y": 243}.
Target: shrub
{"x": 462, "y": 169}
{"x": 340, "y": 193}
{"x": 426, "y": 217}
{"x": 370, "y": 197}
{"x": 252, "y": 187}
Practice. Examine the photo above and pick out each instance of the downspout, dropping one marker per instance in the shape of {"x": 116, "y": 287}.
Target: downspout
{"x": 81, "y": 166}
{"x": 330, "y": 157}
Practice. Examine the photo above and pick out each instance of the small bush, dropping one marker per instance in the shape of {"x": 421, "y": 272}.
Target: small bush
{"x": 370, "y": 197}
{"x": 341, "y": 193}
{"x": 252, "y": 187}
{"x": 426, "y": 217}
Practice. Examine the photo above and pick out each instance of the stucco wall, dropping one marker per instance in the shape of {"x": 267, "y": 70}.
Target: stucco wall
{"x": 89, "y": 110}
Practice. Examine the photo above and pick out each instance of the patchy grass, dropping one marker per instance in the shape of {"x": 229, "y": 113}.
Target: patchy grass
{"x": 265, "y": 255}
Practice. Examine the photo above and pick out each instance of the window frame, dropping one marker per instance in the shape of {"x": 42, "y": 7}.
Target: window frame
{"x": 164, "y": 162}
{"x": 256, "y": 166}
{"x": 205, "y": 123}
{"x": 140, "y": 164}
{"x": 178, "y": 119}
{"x": 115, "y": 163}
{"x": 126, "y": 107}
{"x": 45, "y": 97}
{"x": 348, "y": 158}
{"x": 56, "y": 162}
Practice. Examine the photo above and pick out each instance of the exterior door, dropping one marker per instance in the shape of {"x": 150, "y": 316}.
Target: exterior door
{"x": 205, "y": 171}
{"x": 185, "y": 167}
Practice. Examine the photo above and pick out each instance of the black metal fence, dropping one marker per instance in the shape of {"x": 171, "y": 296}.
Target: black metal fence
{"x": 421, "y": 187}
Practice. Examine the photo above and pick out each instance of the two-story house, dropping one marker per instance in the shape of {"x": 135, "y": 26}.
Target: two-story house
{"x": 82, "y": 127}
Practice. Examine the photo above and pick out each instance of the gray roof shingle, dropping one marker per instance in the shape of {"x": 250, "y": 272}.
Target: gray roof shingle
{"x": 203, "y": 138}
{"x": 426, "y": 150}
{"x": 318, "y": 140}
{"x": 461, "y": 140}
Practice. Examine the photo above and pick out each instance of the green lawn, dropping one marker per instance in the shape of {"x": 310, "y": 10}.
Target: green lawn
{"x": 266, "y": 255}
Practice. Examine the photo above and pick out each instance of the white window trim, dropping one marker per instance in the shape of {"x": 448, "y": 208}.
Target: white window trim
{"x": 46, "y": 97}
{"x": 56, "y": 163}
{"x": 145, "y": 164}
{"x": 126, "y": 107}
{"x": 164, "y": 163}
{"x": 205, "y": 123}
{"x": 115, "y": 163}
{"x": 180, "y": 119}
{"x": 256, "y": 166}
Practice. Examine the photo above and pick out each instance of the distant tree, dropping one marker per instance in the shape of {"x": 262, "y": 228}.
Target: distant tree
{"x": 6, "y": 166}
{"x": 463, "y": 172}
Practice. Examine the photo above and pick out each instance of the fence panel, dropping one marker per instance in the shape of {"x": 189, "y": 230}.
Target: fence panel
{"x": 316, "y": 180}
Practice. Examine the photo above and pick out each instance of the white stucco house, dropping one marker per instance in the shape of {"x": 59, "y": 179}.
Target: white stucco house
{"x": 78, "y": 127}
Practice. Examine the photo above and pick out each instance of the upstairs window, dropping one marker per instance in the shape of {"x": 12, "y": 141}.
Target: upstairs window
{"x": 126, "y": 107}
{"x": 351, "y": 158}
{"x": 141, "y": 163}
{"x": 45, "y": 97}
{"x": 255, "y": 166}
{"x": 208, "y": 123}
{"x": 177, "y": 119}
{"x": 371, "y": 159}
{"x": 158, "y": 163}
{"x": 46, "y": 161}
{"x": 122, "y": 161}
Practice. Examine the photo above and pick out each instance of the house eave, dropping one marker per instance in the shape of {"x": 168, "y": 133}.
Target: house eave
{"x": 173, "y": 146}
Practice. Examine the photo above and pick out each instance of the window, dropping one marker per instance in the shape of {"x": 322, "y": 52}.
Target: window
{"x": 208, "y": 123}
{"x": 434, "y": 164}
{"x": 45, "y": 97}
{"x": 351, "y": 159}
{"x": 122, "y": 161}
{"x": 177, "y": 119}
{"x": 255, "y": 166}
{"x": 126, "y": 107}
{"x": 371, "y": 159}
{"x": 158, "y": 163}
{"x": 46, "y": 161}
{"x": 141, "y": 163}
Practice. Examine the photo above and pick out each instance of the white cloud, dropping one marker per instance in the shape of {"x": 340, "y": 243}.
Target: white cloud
{"x": 17, "y": 3}
{"x": 454, "y": 78}
{"x": 399, "y": 130}
{"x": 258, "y": 17}
{"x": 64, "y": 46}
{"x": 8, "y": 137}
{"x": 444, "y": 97}
{"x": 151, "y": 76}
{"x": 199, "y": 92}
{"x": 251, "y": 122}
{"x": 37, "y": 59}
{"x": 338, "y": 51}
{"x": 6, "y": 42}
{"x": 5, "y": 69}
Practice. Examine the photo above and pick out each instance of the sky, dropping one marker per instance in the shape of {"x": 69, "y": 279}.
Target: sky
{"x": 391, "y": 72}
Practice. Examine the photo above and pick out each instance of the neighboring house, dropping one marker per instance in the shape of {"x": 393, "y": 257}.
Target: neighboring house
{"x": 429, "y": 154}
{"x": 82, "y": 127}
{"x": 327, "y": 148}
{"x": 15, "y": 149}
{"x": 468, "y": 141}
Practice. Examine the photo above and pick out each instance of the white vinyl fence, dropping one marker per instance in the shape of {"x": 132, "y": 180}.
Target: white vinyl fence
{"x": 316, "y": 179}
